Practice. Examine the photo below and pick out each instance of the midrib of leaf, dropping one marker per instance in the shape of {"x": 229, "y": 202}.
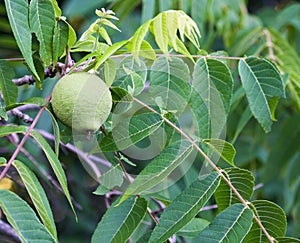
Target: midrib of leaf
{"x": 212, "y": 184}
{"x": 43, "y": 27}
{"x": 236, "y": 220}
{"x": 141, "y": 130}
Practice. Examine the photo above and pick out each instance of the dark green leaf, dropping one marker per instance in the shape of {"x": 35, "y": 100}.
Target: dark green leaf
{"x": 160, "y": 168}
{"x": 42, "y": 23}
{"x": 242, "y": 180}
{"x": 229, "y": 226}
{"x": 130, "y": 131}
{"x": 261, "y": 81}
{"x": 55, "y": 164}
{"x": 272, "y": 218}
{"x": 185, "y": 207}
{"x": 60, "y": 40}
{"x": 38, "y": 101}
{"x": 38, "y": 196}
{"x": 112, "y": 178}
{"x": 287, "y": 240}
{"x": 169, "y": 84}
{"x": 119, "y": 222}
{"x": 7, "y": 130}
{"x": 193, "y": 228}
{"x": 23, "y": 219}
{"x": 7, "y": 87}
{"x": 17, "y": 12}
{"x": 213, "y": 81}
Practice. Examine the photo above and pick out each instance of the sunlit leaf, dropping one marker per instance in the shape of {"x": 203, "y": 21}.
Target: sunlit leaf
{"x": 110, "y": 51}
{"x": 222, "y": 148}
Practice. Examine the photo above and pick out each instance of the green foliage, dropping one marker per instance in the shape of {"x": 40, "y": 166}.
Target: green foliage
{"x": 119, "y": 222}
{"x": 163, "y": 159}
{"x": 16, "y": 211}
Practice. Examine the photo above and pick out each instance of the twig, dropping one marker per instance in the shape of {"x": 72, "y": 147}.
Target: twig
{"x": 30, "y": 128}
{"x": 28, "y": 79}
{"x": 72, "y": 148}
{"x": 108, "y": 197}
{"x": 21, "y": 115}
{"x": 212, "y": 164}
{"x": 181, "y": 55}
{"x": 9, "y": 231}
{"x": 269, "y": 44}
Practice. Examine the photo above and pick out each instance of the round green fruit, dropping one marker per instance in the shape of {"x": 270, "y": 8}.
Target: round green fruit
{"x": 81, "y": 101}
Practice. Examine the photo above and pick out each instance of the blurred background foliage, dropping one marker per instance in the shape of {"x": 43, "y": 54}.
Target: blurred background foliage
{"x": 274, "y": 158}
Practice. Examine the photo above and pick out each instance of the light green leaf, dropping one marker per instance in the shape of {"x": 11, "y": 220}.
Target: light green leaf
{"x": 109, "y": 71}
{"x": 17, "y": 12}
{"x": 222, "y": 148}
{"x": 229, "y": 226}
{"x": 60, "y": 40}
{"x": 213, "y": 80}
{"x": 185, "y": 207}
{"x": 273, "y": 219}
{"x": 7, "y": 130}
{"x": 261, "y": 81}
{"x": 110, "y": 51}
{"x": 8, "y": 89}
{"x": 23, "y": 219}
{"x": 169, "y": 84}
{"x": 56, "y": 8}
{"x": 42, "y": 23}
{"x": 162, "y": 166}
{"x": 119, "y": 222}
{"x": 242, "y": 180}
{"x": 112, "y": 178}
{"x": 38, "y": 101}
{"x": 2, "y": 161}
{"x": 38, "y": 196}
{"x": 105, "y": 35}
{"x": 130, "y": 131}
{"x": 55, "y": 164}
{"x": 160, "y": 31}
{"x": 193, "y": 228}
